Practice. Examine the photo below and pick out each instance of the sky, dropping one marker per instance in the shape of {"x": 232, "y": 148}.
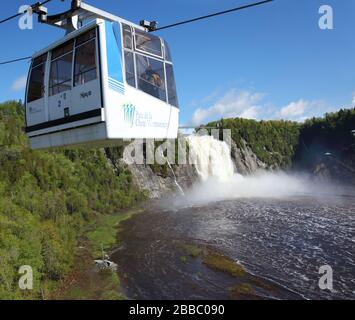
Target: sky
{"x": 267, "y": 62}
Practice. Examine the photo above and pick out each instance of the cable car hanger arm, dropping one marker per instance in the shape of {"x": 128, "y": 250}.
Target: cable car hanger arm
{"x": 80, "y": 11}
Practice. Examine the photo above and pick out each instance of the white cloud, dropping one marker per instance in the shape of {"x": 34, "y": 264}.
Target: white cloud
{"x": 353, "y": 102}
{"x": 252, "y": 105}
{"x": 19, "y": 84}
{"x": 233, "y": 104}
{"x": 250, "y": 113}
{"x": 303, "y": 109}
{"x": 294, "y": 109}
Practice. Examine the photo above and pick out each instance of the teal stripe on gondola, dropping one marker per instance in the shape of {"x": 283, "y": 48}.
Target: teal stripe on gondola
{"x": 114, "y": 52}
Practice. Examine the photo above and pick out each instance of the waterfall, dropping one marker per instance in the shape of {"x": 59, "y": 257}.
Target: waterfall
{"x": 176, "y": 182}
{"x": 215, "y": 167}
{"x": 211, "y": 157}
{"x": 219, "y": 181}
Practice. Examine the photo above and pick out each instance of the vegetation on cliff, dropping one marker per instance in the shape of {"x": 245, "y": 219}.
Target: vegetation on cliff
{"x": 330, "y": 135}
{"x": 283, "y": 144}
{"x": 273, "y": 142}
{"x": 46, "y": 201}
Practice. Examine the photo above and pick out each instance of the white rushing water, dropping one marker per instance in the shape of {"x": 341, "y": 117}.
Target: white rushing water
{"x": 219, "y": 181}
{"x": 175, "y": 180}
{"x": 211, "y": 157}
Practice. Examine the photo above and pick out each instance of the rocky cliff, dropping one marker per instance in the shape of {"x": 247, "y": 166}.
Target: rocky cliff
{"x": 161, "y": 183}
{"x": 326, "y": 147}
{"x": 245, "y": 160}
{"x": 158, "y": 186}
{"x": 335, "y": 168}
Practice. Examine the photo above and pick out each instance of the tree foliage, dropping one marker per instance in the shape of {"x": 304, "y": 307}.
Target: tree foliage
{"x": 273, "y": 142}
{"x": 46, "y": 200}
{"x": 331, "y": 134}
{"x": 280, "y": 143}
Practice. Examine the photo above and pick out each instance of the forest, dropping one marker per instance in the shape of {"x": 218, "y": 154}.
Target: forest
{"x": 287, "y": 144}
{"x": 274, "y": 142}
{"x": 46, "y": 201}
{"x": 329, "y": 135}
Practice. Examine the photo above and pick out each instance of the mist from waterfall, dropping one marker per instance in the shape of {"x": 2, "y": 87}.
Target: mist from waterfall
{"x": 219, "y": 181}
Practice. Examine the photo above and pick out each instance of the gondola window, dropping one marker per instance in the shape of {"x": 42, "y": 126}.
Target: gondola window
{"x": 36, "y": 83}
{"x": 61, "y": 70}
{"x": 170, "y": 79}
{"x": 85, "y": 63}
{"x": 129, "y": 63}
{"x": 151, "y": 77}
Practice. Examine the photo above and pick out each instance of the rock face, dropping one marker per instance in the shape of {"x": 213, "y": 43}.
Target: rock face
{"x": 246, "y": 162}
{"x": 158, "y": 186}
{"x": 161, "y": 183}
{"x": 335, "y": 169}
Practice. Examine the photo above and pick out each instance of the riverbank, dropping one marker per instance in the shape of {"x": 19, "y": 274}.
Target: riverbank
{"x": 109, "y": 232}
{"x": 85, "y": 281}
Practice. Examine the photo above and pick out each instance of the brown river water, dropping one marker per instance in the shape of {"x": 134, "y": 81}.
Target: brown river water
{"x": 284, "y": 241}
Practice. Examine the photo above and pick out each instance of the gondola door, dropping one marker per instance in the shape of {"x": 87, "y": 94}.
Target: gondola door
{"x": 60, "y": 81}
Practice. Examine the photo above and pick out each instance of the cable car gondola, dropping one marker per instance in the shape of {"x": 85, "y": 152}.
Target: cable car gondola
{"x": 107, "y": 80}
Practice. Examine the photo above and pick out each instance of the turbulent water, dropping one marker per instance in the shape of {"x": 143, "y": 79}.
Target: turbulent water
{"x": 211, "y": 158}
{"x": 284, "y": 240}
{"x": 280, "y": 227}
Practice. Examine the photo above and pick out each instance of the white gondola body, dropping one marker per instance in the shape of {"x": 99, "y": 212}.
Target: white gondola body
{"x": 105, "y": 110}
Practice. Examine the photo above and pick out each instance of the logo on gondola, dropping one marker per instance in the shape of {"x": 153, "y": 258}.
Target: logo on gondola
{"x": 129, "y": 111}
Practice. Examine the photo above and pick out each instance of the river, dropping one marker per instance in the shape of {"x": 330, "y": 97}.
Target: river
{"x": 281, "y": 228}
{"x": 285, "y": 241}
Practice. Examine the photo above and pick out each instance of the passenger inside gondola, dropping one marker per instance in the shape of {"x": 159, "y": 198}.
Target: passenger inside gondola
{"x": 150, "y": 81}
{"x": 151, "y": 77}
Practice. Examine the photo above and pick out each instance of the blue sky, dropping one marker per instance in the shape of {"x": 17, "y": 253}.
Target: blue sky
{"x": 267, "y": 62}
